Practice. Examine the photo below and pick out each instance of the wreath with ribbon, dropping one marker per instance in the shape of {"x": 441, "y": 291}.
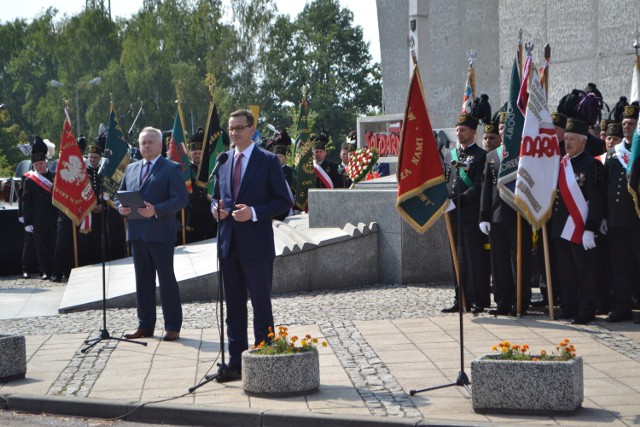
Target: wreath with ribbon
{"x": 361, "y": 163}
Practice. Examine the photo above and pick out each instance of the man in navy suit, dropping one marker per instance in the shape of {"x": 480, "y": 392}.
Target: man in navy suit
{"x": 152, "y": 238}
{"x": 251, "y": 192}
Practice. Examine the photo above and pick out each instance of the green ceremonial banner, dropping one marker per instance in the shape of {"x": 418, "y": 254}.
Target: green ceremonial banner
{"x": 213, "y": 145}
{"x": 633, "y": 169}
{"x": 303, "y": 174}
{"x": 116, "y": 151}
{"x": 178, "y": 149}
{"x": 513, "y": 126}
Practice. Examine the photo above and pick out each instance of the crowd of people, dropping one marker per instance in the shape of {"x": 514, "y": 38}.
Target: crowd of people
{"x": 592, "y": 274}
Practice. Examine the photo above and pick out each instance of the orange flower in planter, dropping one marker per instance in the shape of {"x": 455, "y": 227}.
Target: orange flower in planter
{"x": 282, "y": 344}
{"x": 510, "y": 351}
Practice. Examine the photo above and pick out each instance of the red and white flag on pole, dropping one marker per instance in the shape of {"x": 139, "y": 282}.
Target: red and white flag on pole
{"x": 72, "y": 191}
{"x": 539, "y": 164}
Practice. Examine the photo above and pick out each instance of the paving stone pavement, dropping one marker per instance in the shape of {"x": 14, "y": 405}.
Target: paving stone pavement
{"x": 333, "y": 311}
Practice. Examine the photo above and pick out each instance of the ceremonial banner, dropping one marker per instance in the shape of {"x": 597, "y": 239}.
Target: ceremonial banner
{"x": 116, "y": 153}
{"x": 213, "y": 145}
{"x": 523, "y": 95}
{"x": 303, "y": 172}
{"x": 633, "y": 169}
{"x": 511, "y": 141}
{"x": 537, "y": 175}
{"x": 177, "y": 150}
{"x": 72, "y": 191}
{"x": 469, "y": 91}
{"x": 635, "y": 81}
{"x": 422, "y": 191}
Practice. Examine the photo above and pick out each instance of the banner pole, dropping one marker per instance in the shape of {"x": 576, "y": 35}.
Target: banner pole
{"x": 75, "y": 244}
{"x": 454, "y": 257}
{"x": 547, "y": 264}
{"x": 184, "y": 228}
{"x": 519, "y": 267}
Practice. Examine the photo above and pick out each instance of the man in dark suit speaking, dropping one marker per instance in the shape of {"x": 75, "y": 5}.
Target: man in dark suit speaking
{"x": 152, "y": 238}
{"x": 252, "y": 191}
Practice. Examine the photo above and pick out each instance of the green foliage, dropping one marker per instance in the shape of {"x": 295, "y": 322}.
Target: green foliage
{"x": 256, "y": 56}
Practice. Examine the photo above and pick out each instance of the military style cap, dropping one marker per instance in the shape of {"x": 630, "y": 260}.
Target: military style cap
{"x": 39, "y": 150}
{"x": 603, "y": 124}
{"x": 502, "y": 117}
{"x": 577, "y": 126}
{"x": 615, "y": 129}
{"x": 320, "y": 140}
{"x": 467, "y": 120}
{"x": 631, "y": 112}
{"x": 559, "y": 120}
{"x": 353, "y": 136}
{"x": 491, "y": 128}
{"x": 319, "y": 145}
{"x": 197, "y": 140}
{"x": 95, "y": 149}
{"x": 280, "y": 149}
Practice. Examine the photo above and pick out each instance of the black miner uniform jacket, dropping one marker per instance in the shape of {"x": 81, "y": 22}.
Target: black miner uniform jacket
{"x": 620, "y": 210}
{"x": 590, "y": 176}
{"x": 469, "y": 195}
{"x": 332, "y": 170}
{"x": 492, "y": 208}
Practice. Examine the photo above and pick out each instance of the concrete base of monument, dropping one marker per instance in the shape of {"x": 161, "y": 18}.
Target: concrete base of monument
{"x": 307, "y": 259}
{"x": 404, "y": 255}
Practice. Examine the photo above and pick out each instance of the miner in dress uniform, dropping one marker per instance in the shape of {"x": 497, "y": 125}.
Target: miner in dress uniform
{"x": 577, "y": 214}
{"x": 498, "y": 220}
{"x": 326, "y": 171}
{"x": 39, "y": 213}
{"x": 463, "y": 168}
{"x": 201, "y": 225}
{"x": 621, "y": 224}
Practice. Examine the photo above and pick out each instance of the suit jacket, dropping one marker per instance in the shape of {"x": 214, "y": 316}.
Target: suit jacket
{"x": 164, "y": 188}
{"x": 264, "y": 189}
{"x": 589, "y": 174}
{"x": 492, "y": 208}
{"x": 469, "y": 195}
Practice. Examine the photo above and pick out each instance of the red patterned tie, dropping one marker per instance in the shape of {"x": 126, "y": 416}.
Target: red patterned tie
{"x": 145, "y": 174}
{"x": 237, "y": 174}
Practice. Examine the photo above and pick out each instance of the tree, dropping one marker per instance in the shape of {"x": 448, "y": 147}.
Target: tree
{"x": 323, "y": 51}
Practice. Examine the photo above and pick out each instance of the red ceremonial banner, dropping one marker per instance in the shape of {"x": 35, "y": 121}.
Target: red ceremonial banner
{"x": 72, "y": 191}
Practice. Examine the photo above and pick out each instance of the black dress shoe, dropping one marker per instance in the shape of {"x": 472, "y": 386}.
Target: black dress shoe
{"x": 499, "y": 312}
{"x": 476, "y": 310}
{"x": 583, "y": 320}
{"x": 453, "y": 309}
{"x": 56, "y": 279}
{"x": 231, "y": 374}
{"x": 618, "y": 316}
{"x": 25, "y": 275}
{"x": 560, "y": 314}
{"x": 45, "y": 277}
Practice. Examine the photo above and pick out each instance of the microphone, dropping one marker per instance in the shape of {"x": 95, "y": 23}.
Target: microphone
{"x": 460, "y": 165}
{"x": 220, "y": 160}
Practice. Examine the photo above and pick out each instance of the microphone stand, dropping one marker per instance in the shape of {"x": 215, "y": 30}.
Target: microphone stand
{"x": 462, "y": 379}
{"x": 104, "y": 333}
{"x": 223, "y": 370}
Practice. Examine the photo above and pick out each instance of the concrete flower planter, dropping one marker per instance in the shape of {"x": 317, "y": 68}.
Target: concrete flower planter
{"x": 526, "y": 387}
{"x": 280, "y": 374}
{"x": 13, "y": 357}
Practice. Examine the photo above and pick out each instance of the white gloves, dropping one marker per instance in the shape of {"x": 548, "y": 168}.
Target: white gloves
{"x": 588, "y": 240}
{"x": 485, "y": 227}
{"x": 28, "y": 228}
{"x": 604, "y": 227}
{"x": 21, "y": 220}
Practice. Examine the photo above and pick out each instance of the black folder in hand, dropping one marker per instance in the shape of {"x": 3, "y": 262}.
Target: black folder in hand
{"x": 133, "y": 200}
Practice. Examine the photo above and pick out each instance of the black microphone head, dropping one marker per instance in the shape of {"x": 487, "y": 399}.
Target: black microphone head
{"x": 222, "y": 157}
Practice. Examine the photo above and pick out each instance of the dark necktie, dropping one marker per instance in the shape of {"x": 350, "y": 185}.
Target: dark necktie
{"x": 237, "y": 174}
{"x": 145, "y": 173}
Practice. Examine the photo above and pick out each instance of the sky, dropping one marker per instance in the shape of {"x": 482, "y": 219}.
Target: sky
{"x": 364, "y": 13}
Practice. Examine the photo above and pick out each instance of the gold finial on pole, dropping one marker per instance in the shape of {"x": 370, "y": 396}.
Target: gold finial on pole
{"x": 210, "y": 81}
